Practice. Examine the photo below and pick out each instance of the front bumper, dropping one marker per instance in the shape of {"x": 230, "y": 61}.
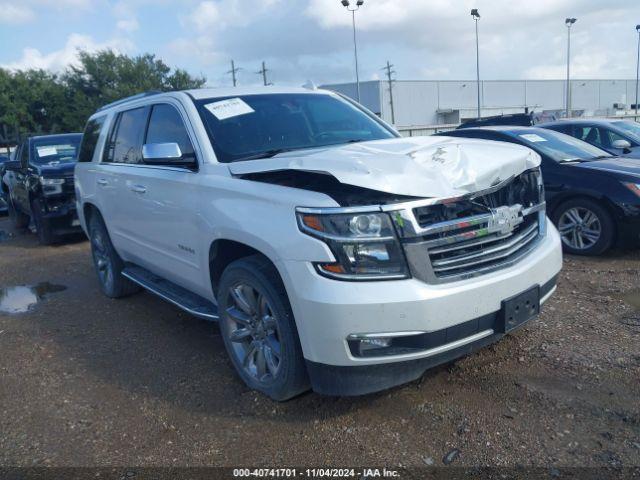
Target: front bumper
{"x": 61, "y": 216}
{"x": 328, "y": 311}
{"x": 465, "y": 338}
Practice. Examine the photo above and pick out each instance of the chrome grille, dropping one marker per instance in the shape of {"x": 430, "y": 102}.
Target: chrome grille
{"x": 453, "y": 239}
{"x": 457, "y": 254}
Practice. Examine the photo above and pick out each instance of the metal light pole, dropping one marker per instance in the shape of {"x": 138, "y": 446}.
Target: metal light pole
{"x": 568, "y": 22}
{"x": 353, "y": 10}
{"x": 476, "y": 16}
{"x": 637, "y": 71}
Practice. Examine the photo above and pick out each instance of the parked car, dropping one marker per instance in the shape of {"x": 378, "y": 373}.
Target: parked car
{"x": 334, "y": 253}
{"x": 616, "y": 136}
{"x": 38, "y": 185}
{"x": 592, "y": 197}
{"x": 520, "y": 119}
{"x": 3, "y": 201}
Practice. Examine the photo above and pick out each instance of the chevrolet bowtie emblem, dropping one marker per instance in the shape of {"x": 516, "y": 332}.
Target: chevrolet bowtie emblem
{"x": 504, "y": 219}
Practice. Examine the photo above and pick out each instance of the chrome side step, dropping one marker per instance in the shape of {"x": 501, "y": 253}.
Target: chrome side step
{"x": 180, "y": 297}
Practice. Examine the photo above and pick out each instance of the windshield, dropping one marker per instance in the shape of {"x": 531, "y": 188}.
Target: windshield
{"x": 632, "y": 128}
{"x": 259, "y": 126}
{"x": 55, "y": 151}
{"x": 560, "y": 147}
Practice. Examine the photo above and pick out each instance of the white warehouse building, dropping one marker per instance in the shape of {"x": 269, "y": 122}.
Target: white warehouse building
{"x": 423, "y": 104}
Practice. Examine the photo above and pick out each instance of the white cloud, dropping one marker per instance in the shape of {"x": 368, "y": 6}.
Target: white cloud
{"x": 126, "y": 18}
{"x": 67, "y": 55}
{"x": 128, "y": 25}
{"x": 206, "y": 16}
{"x": 210, "y": 16}
{"x": 62, "y": 4}
{"x": 15, "y": 14}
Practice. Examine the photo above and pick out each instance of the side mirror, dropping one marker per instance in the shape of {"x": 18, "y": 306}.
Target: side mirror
{"x": 621, "y": 144}
{"x": 162, "y": 153}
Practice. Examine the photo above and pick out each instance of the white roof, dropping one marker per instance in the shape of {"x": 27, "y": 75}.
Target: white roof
{"x": 201, "y": 93}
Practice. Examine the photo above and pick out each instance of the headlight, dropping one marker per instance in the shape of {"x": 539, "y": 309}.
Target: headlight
{"x": 364, "y": 244}
{"x": 634, "y": 187}
{"x": 51, "y": 186}
{"x": 52, "y": 181}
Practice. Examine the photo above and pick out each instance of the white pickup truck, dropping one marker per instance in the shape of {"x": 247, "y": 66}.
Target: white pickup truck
{"x": 334, "y": 254}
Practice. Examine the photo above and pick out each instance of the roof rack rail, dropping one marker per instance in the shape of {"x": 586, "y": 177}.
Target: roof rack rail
{"x": 128, "y": 99}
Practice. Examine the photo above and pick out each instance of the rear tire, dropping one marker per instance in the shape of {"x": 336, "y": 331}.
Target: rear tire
{"x": 585, "y": 226}
{"x": 107, "y": 262}
{"x": 19, "y": 219}
{"x": 43, "y": 230}
{"x": 259, "y": 330}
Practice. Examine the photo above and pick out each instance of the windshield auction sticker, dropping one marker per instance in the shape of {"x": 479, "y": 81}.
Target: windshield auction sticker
{"x": 233, "y": 107}
{"x": 532, "y": 137}
{"x": 47, "y": 151}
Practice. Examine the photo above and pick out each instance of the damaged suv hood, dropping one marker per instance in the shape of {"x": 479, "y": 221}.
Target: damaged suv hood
{"x": 417, "y": 166}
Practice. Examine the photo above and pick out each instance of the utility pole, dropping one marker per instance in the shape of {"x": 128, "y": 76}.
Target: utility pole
{"x": 476, "y": 16}
{"x": 569, "y": 22}
{"x": 637, "y": 71}
{"x": 234, "y": 70}
{"x": 390, "y": 72}
{"x": 263, "y": 71}
{"x": 353, "y": 9}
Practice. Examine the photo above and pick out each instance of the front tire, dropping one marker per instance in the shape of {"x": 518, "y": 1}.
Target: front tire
{"x": 585, "y": 226}
{"x": 43, "y": 230}
{"x": 107, "y": 262}
{"x": 258, "y": 329}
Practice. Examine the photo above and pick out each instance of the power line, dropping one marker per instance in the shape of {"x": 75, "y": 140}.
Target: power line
{"x": 234, "y": 70}
{"x": 263, "y": 71}
{"x": 388, "y": 68}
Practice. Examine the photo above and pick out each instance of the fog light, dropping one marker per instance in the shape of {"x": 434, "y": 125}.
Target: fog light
{"x": 369, "y": 347}
{"x": 376, "y": 342}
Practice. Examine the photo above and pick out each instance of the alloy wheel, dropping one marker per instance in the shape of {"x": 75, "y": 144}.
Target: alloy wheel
{"x": 580, "y": 228}
{"x": 101, "y": 258}
{"x": 253, "y": 333}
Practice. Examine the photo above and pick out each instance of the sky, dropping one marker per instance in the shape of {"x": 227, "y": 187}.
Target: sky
{"x": 312, "y": 39}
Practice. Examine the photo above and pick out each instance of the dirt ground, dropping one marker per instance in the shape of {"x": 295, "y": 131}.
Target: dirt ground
{"x": 86, "y": 381}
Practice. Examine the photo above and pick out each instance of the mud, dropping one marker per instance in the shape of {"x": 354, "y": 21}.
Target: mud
{"x": 90, "y": 381}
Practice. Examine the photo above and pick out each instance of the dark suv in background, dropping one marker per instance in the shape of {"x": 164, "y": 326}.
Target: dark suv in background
{"x": 38, "y": 185}
{"x": 3, "y": 201}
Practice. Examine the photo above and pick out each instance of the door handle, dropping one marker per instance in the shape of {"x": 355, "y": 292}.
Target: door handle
{"x": 102, "y": 182}
{"x": 138, "y": 188}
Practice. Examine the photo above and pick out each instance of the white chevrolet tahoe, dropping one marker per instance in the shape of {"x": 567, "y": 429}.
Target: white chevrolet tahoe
{"x": 334, "y": 254}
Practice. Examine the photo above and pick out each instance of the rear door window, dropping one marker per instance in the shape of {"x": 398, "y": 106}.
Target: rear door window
{"x": 90, "y": 139}
{"x": 125, "y": 145}
{"x": 590, "y": 134}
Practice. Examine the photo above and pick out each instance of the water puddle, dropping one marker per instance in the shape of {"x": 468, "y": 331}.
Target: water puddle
{"x": 23, "y": 298}
{"x": 632, "y": 299}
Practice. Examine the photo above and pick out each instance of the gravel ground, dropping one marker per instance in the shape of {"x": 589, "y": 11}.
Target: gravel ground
{"x": 89, "y": 381}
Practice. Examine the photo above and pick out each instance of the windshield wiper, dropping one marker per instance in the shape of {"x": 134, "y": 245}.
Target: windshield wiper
{"x": 277, "y": 151}
{"x": 265, "y": 154}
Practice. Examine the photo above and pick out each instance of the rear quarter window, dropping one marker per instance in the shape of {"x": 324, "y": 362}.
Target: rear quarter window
{"x": 90, "y": 139}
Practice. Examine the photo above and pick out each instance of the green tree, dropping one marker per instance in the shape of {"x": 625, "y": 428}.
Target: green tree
{"x": 36, "y": 101}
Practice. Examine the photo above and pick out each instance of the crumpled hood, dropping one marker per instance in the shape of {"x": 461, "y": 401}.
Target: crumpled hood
{"x": 417, "y": 166}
